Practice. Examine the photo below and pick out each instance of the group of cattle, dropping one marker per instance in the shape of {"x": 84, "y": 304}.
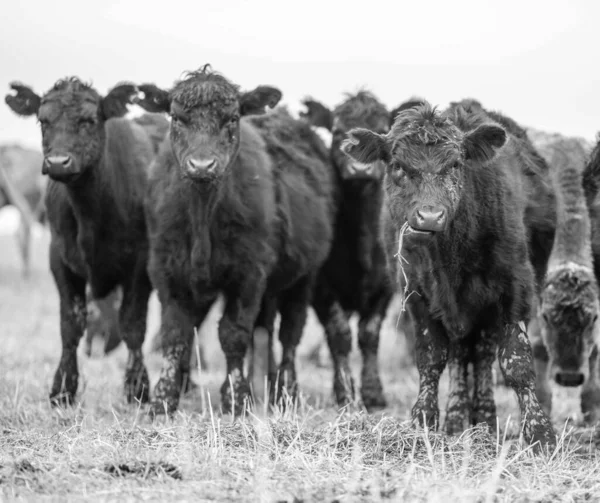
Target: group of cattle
{"x": 455, "y": 210}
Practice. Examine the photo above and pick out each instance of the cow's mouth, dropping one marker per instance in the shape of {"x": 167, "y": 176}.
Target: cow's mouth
{"x": 422, "y": 232}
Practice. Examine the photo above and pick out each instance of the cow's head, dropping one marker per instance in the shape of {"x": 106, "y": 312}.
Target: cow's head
{"x": 568, "y": 314}
{"x": 72, "y": 116}
{"x": 205, "y": 111}
{"x": 410, "y": 103}
{"x": 361, "y": 110}
{"x": 426, "y": 156}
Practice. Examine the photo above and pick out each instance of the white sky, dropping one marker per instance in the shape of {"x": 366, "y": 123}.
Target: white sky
{"x": 537, "y": 61}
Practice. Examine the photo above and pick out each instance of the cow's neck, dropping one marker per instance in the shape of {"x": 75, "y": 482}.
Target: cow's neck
{"x": 88, "y": 195}
{"x": 203, "y": 211}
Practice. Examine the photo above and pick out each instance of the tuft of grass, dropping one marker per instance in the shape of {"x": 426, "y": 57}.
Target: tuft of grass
{"x": 103, "y": 449}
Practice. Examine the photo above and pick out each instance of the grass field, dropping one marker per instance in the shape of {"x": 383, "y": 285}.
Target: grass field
{"x": 106, "y": 450}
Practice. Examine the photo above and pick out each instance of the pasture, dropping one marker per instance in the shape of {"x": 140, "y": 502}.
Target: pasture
{"x": 105, "y": 450}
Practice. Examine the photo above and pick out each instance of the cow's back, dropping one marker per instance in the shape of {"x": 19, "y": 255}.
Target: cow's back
{"x": 305, "y": 189}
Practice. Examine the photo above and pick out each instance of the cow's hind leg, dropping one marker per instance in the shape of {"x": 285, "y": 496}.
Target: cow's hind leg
{"x": 262, "y": 359}
{"x": 515, "y": 358}
{"x": 458, "y": 407}
{"x": 71, "y": 290}
{"x": 484, "y": 405}
{"x": 132, "y": 322}
{"x": 339, "y": 339}
{"x": 369, "y": 328}
{"x": 431, "y": 345}
{"x": 294, "y": 310}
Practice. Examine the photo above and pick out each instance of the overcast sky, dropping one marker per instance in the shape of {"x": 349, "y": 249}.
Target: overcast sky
{"x": 536, "y": 61}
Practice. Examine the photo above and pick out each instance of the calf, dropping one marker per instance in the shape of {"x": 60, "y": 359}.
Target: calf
{"x": 568, "y": 306}
{"x": 97, "y": 163}
{"x": 238, "y": 205}
{"x": 455, "y": 198}
{"x": 354, "y": 277}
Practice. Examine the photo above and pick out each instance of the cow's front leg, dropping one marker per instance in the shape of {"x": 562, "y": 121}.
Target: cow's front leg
{"x": 516, "y": 363}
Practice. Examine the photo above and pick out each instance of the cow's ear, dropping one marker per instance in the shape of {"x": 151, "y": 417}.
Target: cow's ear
{"x": 317, "y": 114}
{"x": 365, "y": 146}
{"x": 254, "y": 102}
{"x": 25, "y": 102}
{"x": 155, "y": 100}
{"x": 482, "y": 144}
{"x": 114, "y": 104}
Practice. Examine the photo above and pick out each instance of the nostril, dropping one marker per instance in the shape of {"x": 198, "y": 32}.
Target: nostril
{"x": 439, "y": 215}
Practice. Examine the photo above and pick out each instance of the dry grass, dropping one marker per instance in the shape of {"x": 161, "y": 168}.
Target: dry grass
{"x": 106, "y": 450}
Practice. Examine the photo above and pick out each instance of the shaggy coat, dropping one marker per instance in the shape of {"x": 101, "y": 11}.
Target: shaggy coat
{"x": 238, "y": 205}
{"x": 569, "y": 307}
{"x": 453, "y": 222}
{"x": 97, "y": 163}
{"x": 354, "y": 278}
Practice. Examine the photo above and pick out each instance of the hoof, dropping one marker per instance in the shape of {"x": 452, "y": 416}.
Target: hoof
{"x": 543, "y": 440}
{"x": 455, "y": 424}
{"x": 64, "y": 388}
{"x": 159, "y": 408}
{"x": 374, "y": 402}
{"x": 62, "y": 399}
{"x": 372, "y": 395}
{"x": 137, "y": 386}
{"x": 424, "y": 415}
{"x": 237, "y": 400}
{"x": 343, "y": 388}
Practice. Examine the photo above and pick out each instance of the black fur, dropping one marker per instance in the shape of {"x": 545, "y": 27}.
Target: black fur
{"x": 472, "y": 280}
{"x": 96, "y": 217}
{"x": 257, "y": 229}
{"x": 354, "y": 277}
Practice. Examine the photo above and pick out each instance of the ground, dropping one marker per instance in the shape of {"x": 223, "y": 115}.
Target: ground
{"x": 106, "y": 450}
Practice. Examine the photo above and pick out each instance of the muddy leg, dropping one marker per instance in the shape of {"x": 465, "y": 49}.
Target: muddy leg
{"x": 431, "y": 345}
{"x": 369, "y": 328}
{"x": 71, "y": 289}
{"x": 458, "y": 407}
{"x": 132, "y": 323}
{"x": 590, "y": 396}
{"x": 294, "y": 311}
{"x": 484, "y": 405}
{"x": 515, "y": 357}
{"x": 235, "y": 332}
{"x": 176, "y": 334}
{"x": 339, "y": 340}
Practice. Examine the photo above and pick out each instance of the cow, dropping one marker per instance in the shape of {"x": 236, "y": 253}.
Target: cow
{"x": 97, "y": 164}
{"x": 240, "y": 202}
{"x": 354, "y": 277}
{"x": 455, "y": 236}
{"x": 568, "y": 306}
{"x": 103, "y": 314}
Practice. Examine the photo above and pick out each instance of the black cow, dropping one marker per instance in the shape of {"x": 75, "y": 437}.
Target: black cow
{"x": 454, "y": 210}
{"x": 354, "y": 277}
{"x": 239, "y": 205}
{"x": 97, "y": 163}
